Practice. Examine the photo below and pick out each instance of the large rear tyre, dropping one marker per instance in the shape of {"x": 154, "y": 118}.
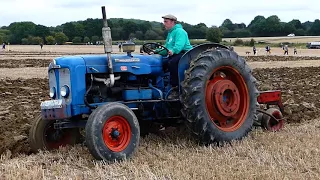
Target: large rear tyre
{"x": 219, "y": 96}
{"x": 112, "y": 132}
{"x": 43, "y": 135}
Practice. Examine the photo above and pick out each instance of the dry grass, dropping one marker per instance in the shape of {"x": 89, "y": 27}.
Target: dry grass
{"x": 292, "y": 153}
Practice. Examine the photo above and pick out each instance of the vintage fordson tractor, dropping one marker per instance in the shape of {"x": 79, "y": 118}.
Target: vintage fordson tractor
{"x": 108, "y": 100}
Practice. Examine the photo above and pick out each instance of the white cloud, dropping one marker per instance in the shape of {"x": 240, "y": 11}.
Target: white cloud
{"x": 211, "y": 12}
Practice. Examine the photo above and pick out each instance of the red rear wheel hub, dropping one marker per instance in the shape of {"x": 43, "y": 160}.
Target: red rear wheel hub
{"x": 227, "y": 98}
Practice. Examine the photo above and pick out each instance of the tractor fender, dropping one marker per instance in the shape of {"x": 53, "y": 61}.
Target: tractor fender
{"x": 185, "y": 60}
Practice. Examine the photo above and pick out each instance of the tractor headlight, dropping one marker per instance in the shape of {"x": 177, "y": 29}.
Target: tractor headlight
{"x": 52, "y": 92}
{"x": 64, "y": 91}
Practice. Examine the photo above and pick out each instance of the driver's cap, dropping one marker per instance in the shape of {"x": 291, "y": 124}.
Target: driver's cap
{"x": 170, "y": 16}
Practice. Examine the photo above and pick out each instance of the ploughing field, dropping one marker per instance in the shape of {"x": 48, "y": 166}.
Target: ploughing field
{"x": 293, "y": 152}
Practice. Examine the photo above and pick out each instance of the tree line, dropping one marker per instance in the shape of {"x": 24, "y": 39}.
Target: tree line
{"x": 89, "y": 30}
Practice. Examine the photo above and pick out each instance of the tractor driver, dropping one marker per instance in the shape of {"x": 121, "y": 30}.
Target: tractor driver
{"x": 177, "y": 42}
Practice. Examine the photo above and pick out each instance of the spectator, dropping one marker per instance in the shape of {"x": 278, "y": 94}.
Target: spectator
{"x": 120, "y": 44}
{"x": 268, "y": 49}
{"x": 286, "y": 51}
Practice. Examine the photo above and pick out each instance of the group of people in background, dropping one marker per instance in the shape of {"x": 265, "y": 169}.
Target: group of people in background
{"x": 285, "y": 49}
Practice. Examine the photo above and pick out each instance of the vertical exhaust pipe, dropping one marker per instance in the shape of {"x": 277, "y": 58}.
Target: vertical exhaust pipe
{"x": 107, "y": 39}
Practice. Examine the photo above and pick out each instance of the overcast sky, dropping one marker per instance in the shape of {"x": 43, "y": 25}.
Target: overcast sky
{"x": 210, "y": 12}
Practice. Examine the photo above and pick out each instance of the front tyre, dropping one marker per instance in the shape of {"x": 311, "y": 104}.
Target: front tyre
{"x": 112, "y": 132}
{"x": 43, "y": 135}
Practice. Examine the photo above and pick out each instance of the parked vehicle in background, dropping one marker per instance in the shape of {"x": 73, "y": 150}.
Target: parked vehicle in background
{"x": 313, "y": 45}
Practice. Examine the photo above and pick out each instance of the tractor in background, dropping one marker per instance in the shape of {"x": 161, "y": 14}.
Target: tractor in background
{"x": 114, "y": 97}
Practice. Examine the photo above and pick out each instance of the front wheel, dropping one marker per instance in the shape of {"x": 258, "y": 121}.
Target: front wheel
{"x": 219, "y": 96}
{"x": 43, "y": 135}
{"x": 112, "y": 132}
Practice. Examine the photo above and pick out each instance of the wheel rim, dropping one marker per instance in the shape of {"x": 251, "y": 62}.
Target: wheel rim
{"x": 274, "y": 125}
{"x": 116, "y": 133}
{"x": 227, "y": 98}
{"x": 54, "y": 138}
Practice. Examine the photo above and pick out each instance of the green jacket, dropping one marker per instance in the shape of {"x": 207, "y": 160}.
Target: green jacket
{"x": 177, "y": 40}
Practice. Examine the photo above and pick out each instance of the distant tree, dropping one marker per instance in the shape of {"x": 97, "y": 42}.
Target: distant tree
{"x": 288, "y": 28}
{"x": 151, "y": 35}
{"x": 241, "y": 33}
{"x": 92, "y": 27}
{"x": 117, "y": 33}
{"x": 50, "y": 40}
{"x": 214, "y": 35}
{"x": 256, "y": 21}
{"x": 300, "y": 32}
{"x": 139, "y": 35}
{"x": 4, "y": 38}
{"x": 252, "y": 42}
{"x": 61, "y": 38}
{"x": 315, "y": 28}
{"x": 132, "y": 35}
{"x": 257, "y": 26}
{"x": 160, "y": 32}
{"x": 273, "y": 26}
{"x": 238, "y": 42}
{"x": 129, "y": 27}
{"x": 296, "y": 23}
{"x": 94, "y": 39}
{"x": 24, "y": 41}
{"x": 145, "y": 26}
{"x": 228, "y": 24}
{"x": 69, "y": 30}
{"x": 307, "y": 25}
{"x": 76, "y": 40}
{"x": 36, "y": 40}
{"x": 41, "y": 31}
{"x": 86, "y": 39}
{"x": 21, "y": 30}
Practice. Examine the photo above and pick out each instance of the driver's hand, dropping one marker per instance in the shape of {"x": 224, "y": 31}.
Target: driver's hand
{"x": 151, "y": 52}
{"x": 170, "y": 53}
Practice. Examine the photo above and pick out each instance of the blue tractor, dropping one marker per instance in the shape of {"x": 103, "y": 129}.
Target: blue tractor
{"x": 113, "y": 98}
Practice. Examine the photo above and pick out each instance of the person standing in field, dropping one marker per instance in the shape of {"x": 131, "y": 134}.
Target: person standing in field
{"x": 268, "y": 49}
{"x": 41, "y": 45}
{"x": 3, "y": 45}
{"x": 120, "y": 44}
{"x": 254, "y": 50}
{"x": 295, "y": 50}
{"x": 286, "y": 51}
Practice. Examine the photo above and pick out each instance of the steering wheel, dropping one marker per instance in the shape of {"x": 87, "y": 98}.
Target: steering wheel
{"x": 151, "y": 47}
